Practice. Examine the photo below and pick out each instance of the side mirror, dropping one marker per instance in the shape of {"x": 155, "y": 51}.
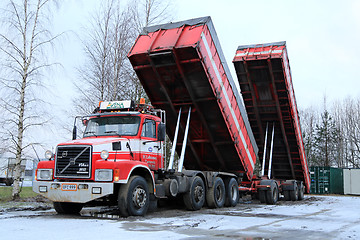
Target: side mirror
{"x": 161, "y": 132}
{"x": 74, "y": 133}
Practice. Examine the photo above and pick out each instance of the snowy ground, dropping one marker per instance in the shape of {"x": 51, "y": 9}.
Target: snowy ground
{"x": 317, "y": 217}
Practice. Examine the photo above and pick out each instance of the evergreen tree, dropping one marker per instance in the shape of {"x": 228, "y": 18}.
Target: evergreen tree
{"x": 326, "y": 141}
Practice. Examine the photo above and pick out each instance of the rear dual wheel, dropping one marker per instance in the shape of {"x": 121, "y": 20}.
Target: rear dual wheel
{"x": 297, "y": 192}
{"x": 287, "y": 195}
{"x": 301, "y": 191}
{"x": 194, "y": 199}
{"x": 294, "y": 194}
{"x": 215, "y": 196}
{"x": 232, "y": 192}
{"x": 271, "y": 194}
{"x": 222, "y": 193}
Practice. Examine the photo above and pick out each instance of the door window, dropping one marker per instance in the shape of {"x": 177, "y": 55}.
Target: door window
{"x": 149, "y": 129}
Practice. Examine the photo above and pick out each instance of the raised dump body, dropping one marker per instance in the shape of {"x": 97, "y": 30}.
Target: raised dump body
{"x": 264, "y": 76}
{"x": 181, "y": 65}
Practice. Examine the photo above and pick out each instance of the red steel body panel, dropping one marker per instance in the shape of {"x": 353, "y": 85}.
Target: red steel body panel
{"x": 182, "y": 65}
{"x": 265, "y": 80}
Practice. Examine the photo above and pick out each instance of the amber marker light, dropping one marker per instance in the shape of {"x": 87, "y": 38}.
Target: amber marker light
{"x": 116, "y": 175}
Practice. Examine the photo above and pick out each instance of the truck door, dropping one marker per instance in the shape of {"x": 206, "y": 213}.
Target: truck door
{"x": 150, "y": 148}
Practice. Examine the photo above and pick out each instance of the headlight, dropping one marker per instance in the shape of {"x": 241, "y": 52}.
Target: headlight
{"x": 48, "y": 154}
{"x": 104, "y": 154}
{"x": 44, "y": 174}
{"x": 103, "y": 175}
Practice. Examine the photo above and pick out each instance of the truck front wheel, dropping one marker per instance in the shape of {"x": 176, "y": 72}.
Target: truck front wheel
{"x": 194, "y": 199}
{"x": 68, "y": 207}
{"x": 134, "y": 198}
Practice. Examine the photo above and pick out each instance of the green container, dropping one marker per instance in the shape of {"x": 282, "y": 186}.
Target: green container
{"x": 326, "y": 180}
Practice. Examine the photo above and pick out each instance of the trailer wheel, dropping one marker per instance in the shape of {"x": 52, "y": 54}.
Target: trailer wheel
{"x": 301, "y": 191}
{"x": 272, "y": 194}
{"x": 194, "y": 199}
{"x": 262, "y": 196}
{"x": 68, "y": 207}
{"x": 287, "y": 195}
{"x": 232, "y": 192}
{"x": 215, "y": 196}
{"x": 134, "y": 198}
{"x": 294, "y": 194}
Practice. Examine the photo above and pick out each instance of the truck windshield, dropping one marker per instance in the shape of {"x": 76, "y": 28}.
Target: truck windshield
{"x": 110, "y": 126}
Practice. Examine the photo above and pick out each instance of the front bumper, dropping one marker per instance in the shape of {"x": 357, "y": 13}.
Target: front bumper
{"x": 80, "y": 192}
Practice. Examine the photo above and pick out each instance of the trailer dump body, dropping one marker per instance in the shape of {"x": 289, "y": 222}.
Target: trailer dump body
{"x": 264, "y": 77}
{"x": 181, "y": 65}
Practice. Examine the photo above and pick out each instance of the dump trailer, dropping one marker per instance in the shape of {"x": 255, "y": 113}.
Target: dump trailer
{"x": 181, "y": 66}
{"x": 264, "y": 76}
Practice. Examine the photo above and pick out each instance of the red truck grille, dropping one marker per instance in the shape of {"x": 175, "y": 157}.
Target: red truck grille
{"x": 73, "y": 162}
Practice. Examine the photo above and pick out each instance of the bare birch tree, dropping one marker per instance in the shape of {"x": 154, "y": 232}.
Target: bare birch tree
{"x": 347, "y": 118}
{"x": 107, "y": 73}
{"x": 24, "y": 40}
{"x": 150, "y": 12}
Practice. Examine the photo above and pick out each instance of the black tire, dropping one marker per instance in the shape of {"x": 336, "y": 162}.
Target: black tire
{"x": 287, "y": 195}
{"x": 134, "y": 198}
{"x": 68, "y": 207}
{"x": 232, "y": 192}
{"x": 194, "y": 199}
{"x": 8, "y": 182}
{"x": 301, "y": 191}
{"x": 215, "y": 196}
{"x": 272, "y": 194}
{"x": 262, "y": 196}
{"x": 294, "y": 194}
{"x": 153, "y": 205}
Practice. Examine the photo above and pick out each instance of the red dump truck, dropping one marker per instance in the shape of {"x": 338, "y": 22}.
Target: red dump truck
{"x": 264, "y": 77}
{"x": 120, "y": 159}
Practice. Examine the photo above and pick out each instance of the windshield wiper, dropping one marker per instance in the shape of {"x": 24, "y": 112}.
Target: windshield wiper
{"x": 116, "y": 133}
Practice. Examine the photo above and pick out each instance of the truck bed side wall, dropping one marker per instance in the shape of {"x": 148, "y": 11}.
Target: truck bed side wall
{"x": 181, "y": 65}
{"x": 265, "y": 80}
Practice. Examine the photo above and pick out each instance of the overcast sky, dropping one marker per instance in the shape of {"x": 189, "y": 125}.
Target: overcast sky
{"x": 322, "y": 38}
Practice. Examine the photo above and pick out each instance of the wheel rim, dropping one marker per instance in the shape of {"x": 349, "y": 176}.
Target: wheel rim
{"x": 139, "y": 197}
{"x": 198, "y": 193}
{"x": 219, "y": 193}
